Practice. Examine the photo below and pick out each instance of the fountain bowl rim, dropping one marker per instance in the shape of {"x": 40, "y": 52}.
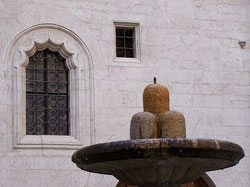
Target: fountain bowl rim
{"x": 158, "y": 148}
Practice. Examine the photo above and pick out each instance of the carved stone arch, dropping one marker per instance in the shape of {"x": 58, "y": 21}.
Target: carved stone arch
{"x": 47, "y": 16}
{"x": 55, "y": 47}
{"x": 49, "y": 44}
{"x": 80, "y": 65}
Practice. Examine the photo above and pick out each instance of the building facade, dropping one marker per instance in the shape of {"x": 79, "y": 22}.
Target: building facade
{"x": 112, "y": 50}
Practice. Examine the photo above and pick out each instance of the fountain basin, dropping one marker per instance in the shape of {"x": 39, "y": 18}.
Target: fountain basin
{"x": 158, "y": 161}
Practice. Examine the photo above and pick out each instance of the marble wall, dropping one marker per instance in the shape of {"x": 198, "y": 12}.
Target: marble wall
{"x": 191, "y": 46}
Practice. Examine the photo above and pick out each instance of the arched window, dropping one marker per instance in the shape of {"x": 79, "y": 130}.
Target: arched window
{"x": 47, "y": 94}
{"x": 70, "y": 95}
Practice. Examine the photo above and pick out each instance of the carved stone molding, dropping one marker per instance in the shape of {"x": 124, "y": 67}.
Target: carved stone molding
{"x": 80, "y": 65}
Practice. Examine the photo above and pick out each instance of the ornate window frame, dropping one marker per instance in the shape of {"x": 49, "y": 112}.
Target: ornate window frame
{"x": 79, "y": 63}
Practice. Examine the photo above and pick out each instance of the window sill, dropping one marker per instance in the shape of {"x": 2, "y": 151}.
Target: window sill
{"x": 127, "y": 60}
{"x": 48, "y": 142}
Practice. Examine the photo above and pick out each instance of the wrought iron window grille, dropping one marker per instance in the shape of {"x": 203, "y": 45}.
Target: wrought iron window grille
{"x": 47, "y": 94}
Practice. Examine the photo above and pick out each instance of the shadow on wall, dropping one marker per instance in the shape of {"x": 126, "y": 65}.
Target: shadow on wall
{"x": 203, "y": 181}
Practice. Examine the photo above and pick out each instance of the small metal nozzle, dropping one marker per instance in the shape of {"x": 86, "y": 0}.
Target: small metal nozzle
{"x": 154, "y": 80}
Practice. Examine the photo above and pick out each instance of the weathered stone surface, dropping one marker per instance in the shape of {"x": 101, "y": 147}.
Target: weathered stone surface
{"x": 166, "y": 124}
{"x": 144, "y": 126}
{"x": 172, "y": 125}
{"x": 156, "y": 99}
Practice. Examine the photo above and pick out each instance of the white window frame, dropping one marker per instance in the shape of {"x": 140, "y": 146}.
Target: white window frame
{"x": 136, "y": 26}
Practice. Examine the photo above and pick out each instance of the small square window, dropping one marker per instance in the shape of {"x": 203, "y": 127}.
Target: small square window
{"x": 127, "y": 42}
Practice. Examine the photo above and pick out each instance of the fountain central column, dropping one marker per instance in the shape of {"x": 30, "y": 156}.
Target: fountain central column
{"x": 157, "y": 121}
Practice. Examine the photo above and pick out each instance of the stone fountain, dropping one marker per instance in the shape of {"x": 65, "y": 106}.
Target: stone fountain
{"x": 158, "y": 154}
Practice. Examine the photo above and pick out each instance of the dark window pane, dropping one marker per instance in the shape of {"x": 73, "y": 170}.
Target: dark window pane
{"x": 62, "y": 102}
{"x": 130, "y": 53}
{"x": 47, "y": 94}
{"x": 52, "y": 88}
{"x": 30, "y": 129}
{"x": 30, "y": 101}
{"x": 52, "y": 129}
{"x": 30, "y": 75}
{"x": 40, "y": 75}
{"x": 51, "y": 64}
{"x": 40, "y": 87}
{"x": 119, "y": 32}
{"x": 125, "y": 42}
{"x": 39, "y": 63}
{"x": 30, "y": 87}
{"x": 40, "y": 117}
{"x": 62, "y": 116}
{"x": 31, "y": 64}
{"x": 62, "y": 88}
{"x": 30, "y": 116}
{"x": 120, "y": 42}
{"x": 52, "y": 102}
{"x": 62, "y": 77}
{"x": 129, "y": 42}
{"x": 52, "y": 116}
{"x": 39, "y": 54}
{"x": 52, "y": 76}
{"x": 39, "y": 129}
{"x": 40, "y": 102}
{"x": 62, "y": 128}
{"x": 120, "y": 52}
{"x": 51, "y": 55}
{"x": 61, "y": 65}
{"x": 129, "y": 32}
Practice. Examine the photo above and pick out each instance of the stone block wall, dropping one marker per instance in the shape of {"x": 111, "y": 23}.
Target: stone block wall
{"x": 191, "y": 46}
